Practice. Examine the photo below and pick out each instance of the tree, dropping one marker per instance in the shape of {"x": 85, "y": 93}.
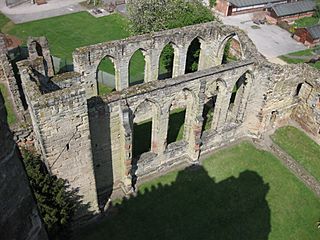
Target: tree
{"x": 55, "y": 201}
{"x": 147, "y": 16}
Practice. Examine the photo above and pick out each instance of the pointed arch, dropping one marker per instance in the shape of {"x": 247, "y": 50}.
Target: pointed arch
{"x": 230, "y": 49}
{"x": 137, "y": 67}
{"x": 145, "y": 125}
{"x": 181, "y": 113}
{"x": 215, "y": 92}
{"x": 239, "y": 97}
{"x": 193, "y": 55}
{"x": 106, "y": 76}
{"x": 166, "y": 61}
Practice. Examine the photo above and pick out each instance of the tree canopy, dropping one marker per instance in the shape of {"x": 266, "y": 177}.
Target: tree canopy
{"x": 56, "y": 202}
{"x": 147, "y": 16}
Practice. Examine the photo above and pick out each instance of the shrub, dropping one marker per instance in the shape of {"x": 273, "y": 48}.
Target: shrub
{"x": 56, "y": 202}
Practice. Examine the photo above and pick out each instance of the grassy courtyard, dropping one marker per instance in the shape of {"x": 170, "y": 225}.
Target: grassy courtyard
{"x": 300, "y": 147}
{"x": 68, "y": 32}
{"x": 238, "y": 193}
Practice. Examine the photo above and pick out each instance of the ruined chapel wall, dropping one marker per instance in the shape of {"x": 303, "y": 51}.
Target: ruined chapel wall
{"x": 266, "y": 99}
{"x": 280, "y": 97}
{"x": 39, "y": 47}
{"x": 212, "y": 36}
{"x": 61, "y": 125}
{"x": 188, "y": 91}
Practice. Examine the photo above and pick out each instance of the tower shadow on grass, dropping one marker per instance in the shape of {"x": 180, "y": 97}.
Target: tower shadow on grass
{"x": 192, "y": 207}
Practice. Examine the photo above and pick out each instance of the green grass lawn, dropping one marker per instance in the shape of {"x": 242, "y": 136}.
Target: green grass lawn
{"x": 291, "y": 60}
{"x": 3, "y": 21}
{"x": 300, "y": 147}
{"x": 240, "y": 193}
{"x": 104, "y": 89}
{"x": 306, "y": 52}
{"x": 11, "y": 115}
{"x": 306, "y": 22}
{"x": 295, "y": 57}
{"x": 176, "y": 125}
{"x": 142, "y": 137}
{"x": 66, "y": 33}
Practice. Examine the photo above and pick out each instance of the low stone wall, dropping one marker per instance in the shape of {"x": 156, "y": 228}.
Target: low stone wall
{"x": 7, "y": 77}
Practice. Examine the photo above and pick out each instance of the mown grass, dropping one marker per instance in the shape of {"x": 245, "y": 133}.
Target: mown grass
{"x": 68, "y": 32}
{"x": 11, "y": 116}
{"x": 300, "y": 147}
{"x": 239, "y": 193}
{"x": 306, "y": 52}
{"x": 3, "y": 21}
{"x": 176, "y": 125}
{"x": 293, "y": 58}
{"x": 306, "y": 22}
{"x": 104, "y": 89}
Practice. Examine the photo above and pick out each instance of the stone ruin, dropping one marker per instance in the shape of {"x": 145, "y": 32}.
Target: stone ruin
{"x": 88, "y": 139}
{"x": 19, "y": 216}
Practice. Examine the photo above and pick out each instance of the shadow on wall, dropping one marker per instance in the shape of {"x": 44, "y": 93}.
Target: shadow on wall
{"x": 192, "y": 207}
{"x": 100, "y": 132}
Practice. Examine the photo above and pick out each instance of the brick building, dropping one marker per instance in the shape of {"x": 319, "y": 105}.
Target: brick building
{"x": 309, "y": 36}
{"x": 234, "y": 7}
{"x": 291, "y": 11}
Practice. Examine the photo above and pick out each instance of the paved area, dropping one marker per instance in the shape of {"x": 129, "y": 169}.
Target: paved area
{"x": 29, "y": 12}
{"x": 272, "y": 41}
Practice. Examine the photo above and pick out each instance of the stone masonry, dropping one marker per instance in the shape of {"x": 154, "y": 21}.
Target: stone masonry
{"x": 19, "y": 216}
{"x": 7, "y": 78}
{"x": 88, "y": 139}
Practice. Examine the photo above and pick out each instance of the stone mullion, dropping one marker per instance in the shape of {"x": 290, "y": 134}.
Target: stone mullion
{"x": 195, "y": 124}
{"x": 179, "y": 62}
{"x": 224, "y": 109}
{"x": 237, "y": 103}
{"x": 126, "y": 143}
{"x": 243, "y": 104}
{"x": 206, "y": 58}
{"x": 155, "y": 134}
{"x": 217, "y": 111}
{"x": 163, "y": 130}
{"x": 123, "y": 74}
{"x": 152, "y": 65}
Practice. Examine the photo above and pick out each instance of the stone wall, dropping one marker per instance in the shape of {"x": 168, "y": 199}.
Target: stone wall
{"x": 8, "y": 79}
{"x": 212, "y": 36}
{"x": 19, "y": 217}
{"x": 88, "y": 139}
{"x": 39, "y": 48}
{"x": 60, "y": 123}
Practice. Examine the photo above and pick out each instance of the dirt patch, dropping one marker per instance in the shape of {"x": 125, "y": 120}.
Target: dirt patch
{"x": 12, "y": 41}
